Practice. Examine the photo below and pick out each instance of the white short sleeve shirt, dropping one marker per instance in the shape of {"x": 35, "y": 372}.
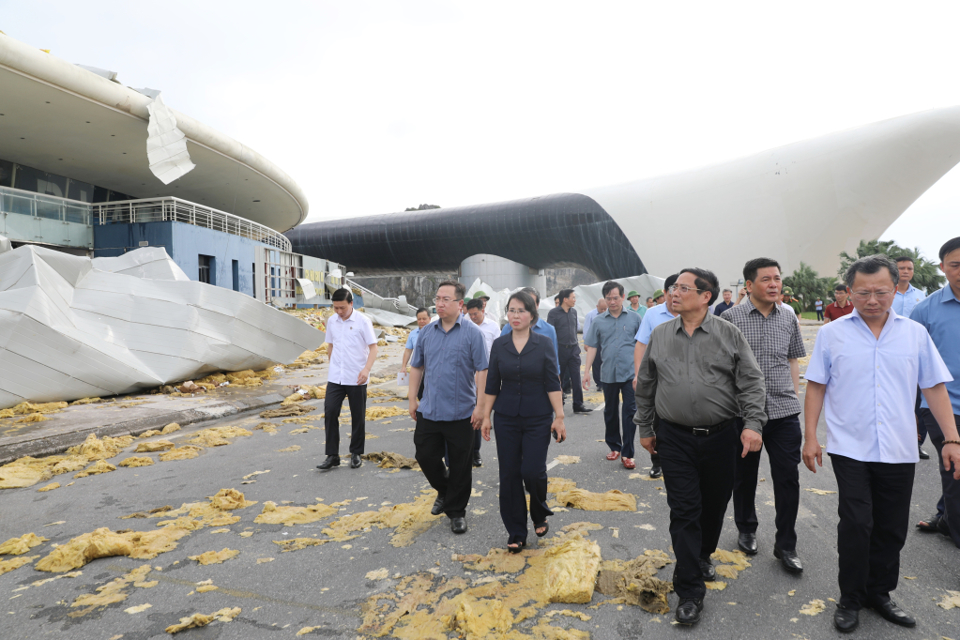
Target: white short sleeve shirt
{"x": 491, "y": 331}
{"x": 872, "y": 385}
{"x": 351, "y": 340}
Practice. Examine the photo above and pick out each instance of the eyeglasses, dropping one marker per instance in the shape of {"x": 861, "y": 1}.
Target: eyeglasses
{"x": 863, "y": 296}
{"x": 438, "y": 300}
{"x": 682, "y": 288}
{"x": 517, "y": 312}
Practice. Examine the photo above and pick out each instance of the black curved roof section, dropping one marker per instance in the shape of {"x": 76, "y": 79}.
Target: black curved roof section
{"x": 562, "y": 230}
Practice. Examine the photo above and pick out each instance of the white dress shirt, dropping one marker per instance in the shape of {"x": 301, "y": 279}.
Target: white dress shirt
{"x": 872, "y": 385}
{"x": 491, "y": 331}
{"x": 351, "y": 340}
{"x": 591, "y": 315}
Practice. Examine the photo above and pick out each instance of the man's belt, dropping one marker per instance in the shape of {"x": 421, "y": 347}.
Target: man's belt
{"x": 701, "y": 431}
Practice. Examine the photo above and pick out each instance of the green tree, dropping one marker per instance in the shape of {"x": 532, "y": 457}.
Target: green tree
{"x": 926, "y": 274}
{"x": 807, "y": 285}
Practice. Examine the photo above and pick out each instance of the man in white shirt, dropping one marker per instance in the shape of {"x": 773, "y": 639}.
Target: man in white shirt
{"x": 591, "y": 316}
{"x": 490, "y": 331}
{"x": 352, "y": 347}
{"x": 866, "y": 366}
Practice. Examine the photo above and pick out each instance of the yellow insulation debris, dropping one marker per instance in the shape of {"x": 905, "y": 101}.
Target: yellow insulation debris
{"x": 170, "y": 428}
{"x": 289, "y": 410}
{"x": 186, "y": 452}
{"x": 197, "y": 515}
{"x": 151, "y": 447}
{"x": 217, "y": 436}
{"x": 950, "y": 601}
{"x": 613, "y": 500}
{"x": 207, "y": 587}
{"x": 19, "y": 546}
{"x": 390, "y": 460}
{"x": 28, "y": 408}
{"x": 215, "y": 557}
{"x": 734, "y": 562}
{"x": 110, "y": 593}
{"x": 269, "y": 427}
{"x": 33, "y": 417}
{"x": 635, "y": 582}
{"x": 94, "y": 448}
{"x": 28, "y": 471}
{"x": 289, "y": 516}
{"x": 98, "y": 467}
{"x": 813, "y": 607}
{"x": 201, "y": 620}
{"x": 104, "y": 543}
{"x": 556, "y": 485}
{"x": 290, "y": 449}
{"x": 571, "y": 570}
{"x": 15, "y": 563}
{"x": 376, "y": 413}
{"x": 149, "y": 434}
{"x": 85, "y": 401}
{"x": 136, "y": 461}
{"x": 49, "y": 487}
{"x": 297, "y": 544}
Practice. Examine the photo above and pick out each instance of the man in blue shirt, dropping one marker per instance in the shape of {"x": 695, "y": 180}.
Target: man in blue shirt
{"x": 612, "y": 334}
{"x": 940, "y": 315}
{"x": 542, "y": 327}
{"x": 907, "y": 296}
{"x": 450, "y": 353}
{"x": 598, "y": 361}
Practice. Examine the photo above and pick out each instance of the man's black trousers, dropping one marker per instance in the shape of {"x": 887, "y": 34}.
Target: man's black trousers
{"x": 698, "y": 474}
{"x": 783, "y": 440}
{"x": 431, "y": 438}
{"x": 570, "y": 368}
{"x": 357, "y": 396}
{"x": 874, "y": 509}
{"x": 950, "y": 498}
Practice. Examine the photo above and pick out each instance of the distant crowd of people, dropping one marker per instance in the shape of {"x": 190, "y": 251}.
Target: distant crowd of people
{"x": 707, "y": 384}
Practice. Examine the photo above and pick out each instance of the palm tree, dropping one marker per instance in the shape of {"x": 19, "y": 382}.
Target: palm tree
{"x": 926, "y": 274}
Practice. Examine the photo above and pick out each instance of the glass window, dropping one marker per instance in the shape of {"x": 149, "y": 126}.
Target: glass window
{"x": 82, "y": 191}
{"x": 30, "y": 179}
{"x": 6, "y": 173}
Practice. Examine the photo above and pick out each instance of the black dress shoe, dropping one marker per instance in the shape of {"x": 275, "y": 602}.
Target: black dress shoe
{"x": 656, "y": 471}
{"x": 331, "y": 461}
{"x": 923, "y": 454}
{"x": 458, "y": 525}
{"x": 789, "y": 559}
{"x": 437, "y": 506}
{"x": 892, "y": 613}
{"x": 747, "y": 543}
{"x": 582, "y": 410}
{"x": 355, "y": 461}
{"x": 688, "y": 611}
{"x": 477, "y": 460}
{"x": 846, "y": 620}
{"x": 708, "y": 571}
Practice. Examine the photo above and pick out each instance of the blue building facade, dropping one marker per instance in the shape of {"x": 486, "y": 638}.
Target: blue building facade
{"x": 206, "y": 255}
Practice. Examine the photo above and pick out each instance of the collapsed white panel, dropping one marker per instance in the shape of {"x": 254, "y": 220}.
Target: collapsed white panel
{"x": 166, "y": 144}
{"x": 72, "y": 327}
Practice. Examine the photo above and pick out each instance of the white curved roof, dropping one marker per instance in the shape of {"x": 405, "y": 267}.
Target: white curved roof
{"x": 66, "y": 120}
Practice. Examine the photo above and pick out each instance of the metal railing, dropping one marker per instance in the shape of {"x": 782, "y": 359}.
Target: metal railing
{"x": 40, "y": 205}
{"x": 177, "y": 210}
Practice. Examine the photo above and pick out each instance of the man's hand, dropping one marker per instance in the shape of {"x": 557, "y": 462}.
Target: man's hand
{"x": 414, "y": 403}
{"x": 752, "y": 441}
{"x": 650, "y": 444}
{"x": 364, "y": 376}
{"x": 586, "y": 380}
{"x": 477, "y": 418}
{"x": 812, "y": 452}
{"x": 951, "y": 456}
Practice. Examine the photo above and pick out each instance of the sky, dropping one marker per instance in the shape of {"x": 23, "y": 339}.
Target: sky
{"x": 375, "y": 106}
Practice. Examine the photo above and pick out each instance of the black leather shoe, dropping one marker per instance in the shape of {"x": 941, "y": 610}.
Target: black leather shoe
{"x": 437, "y": 506}
{"x": 688, "y": 611}
{"x": 477, "y": 460}
{"x": 923, "y": 454}
{"x": 656, "y": 471}
{"x": 789, "y": 559}
{"x": 709, "y": 573}
{"x": 458, "y": 525}
{"x": 846, "y": 620}
{"x": 331, "y": 461}
{"x": 355, "y": 461}
{"x": 747, "y": 543}
{"x": 582, "y": 410}
{"x": 892, "y": 613}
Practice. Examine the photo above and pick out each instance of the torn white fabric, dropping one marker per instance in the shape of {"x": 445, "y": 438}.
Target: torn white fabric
{"x": 166, "y": 144}
{"x": 72, "y": 327}
{"x": 307, "y": 289}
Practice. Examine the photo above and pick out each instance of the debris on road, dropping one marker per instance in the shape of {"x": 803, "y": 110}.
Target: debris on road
{"x": 613, "y": 500}
{"x": 216, "y": 557}
{"x": 201, "y": 620}
{"x": 21, "y": 545}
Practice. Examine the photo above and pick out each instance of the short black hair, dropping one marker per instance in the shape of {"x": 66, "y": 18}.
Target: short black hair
{"x": 564, "y": 294}
{"x": 750, "y": 269}
{"x": 422, "y": 310}
{"x": 949, "y": 247}
{"x": 727, "y": 291}
{"x": 649, "y": 299}
{"x": 459, "y": 290}
{"x": 528, "y": 303}
{"x": 475, "y": 303}
{"x": 532, "y": 292}
{"x": 909, "y": 259}
{"x": 342, "y": 294}
{"x": 610, "y": 286}
{"x": 705, "y": 281}
{"x": 840, "y": 287}
{"x": 872, "y": 264}
{"x": 670, "y": 281}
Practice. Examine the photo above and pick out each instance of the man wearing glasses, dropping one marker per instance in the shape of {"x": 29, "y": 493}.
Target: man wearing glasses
{"x": 698, "y": 374}
{"x": 865, "y": 368}
{"x": 774, "y": 336}
{"x": 452, "y": 353}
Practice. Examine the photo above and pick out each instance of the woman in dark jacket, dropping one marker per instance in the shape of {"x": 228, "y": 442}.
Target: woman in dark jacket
{"x": 524, "y": 390}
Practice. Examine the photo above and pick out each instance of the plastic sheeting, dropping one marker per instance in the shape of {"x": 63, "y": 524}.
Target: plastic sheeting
{"x": 166, "y": 144}
{"x": 72, "y": 327}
